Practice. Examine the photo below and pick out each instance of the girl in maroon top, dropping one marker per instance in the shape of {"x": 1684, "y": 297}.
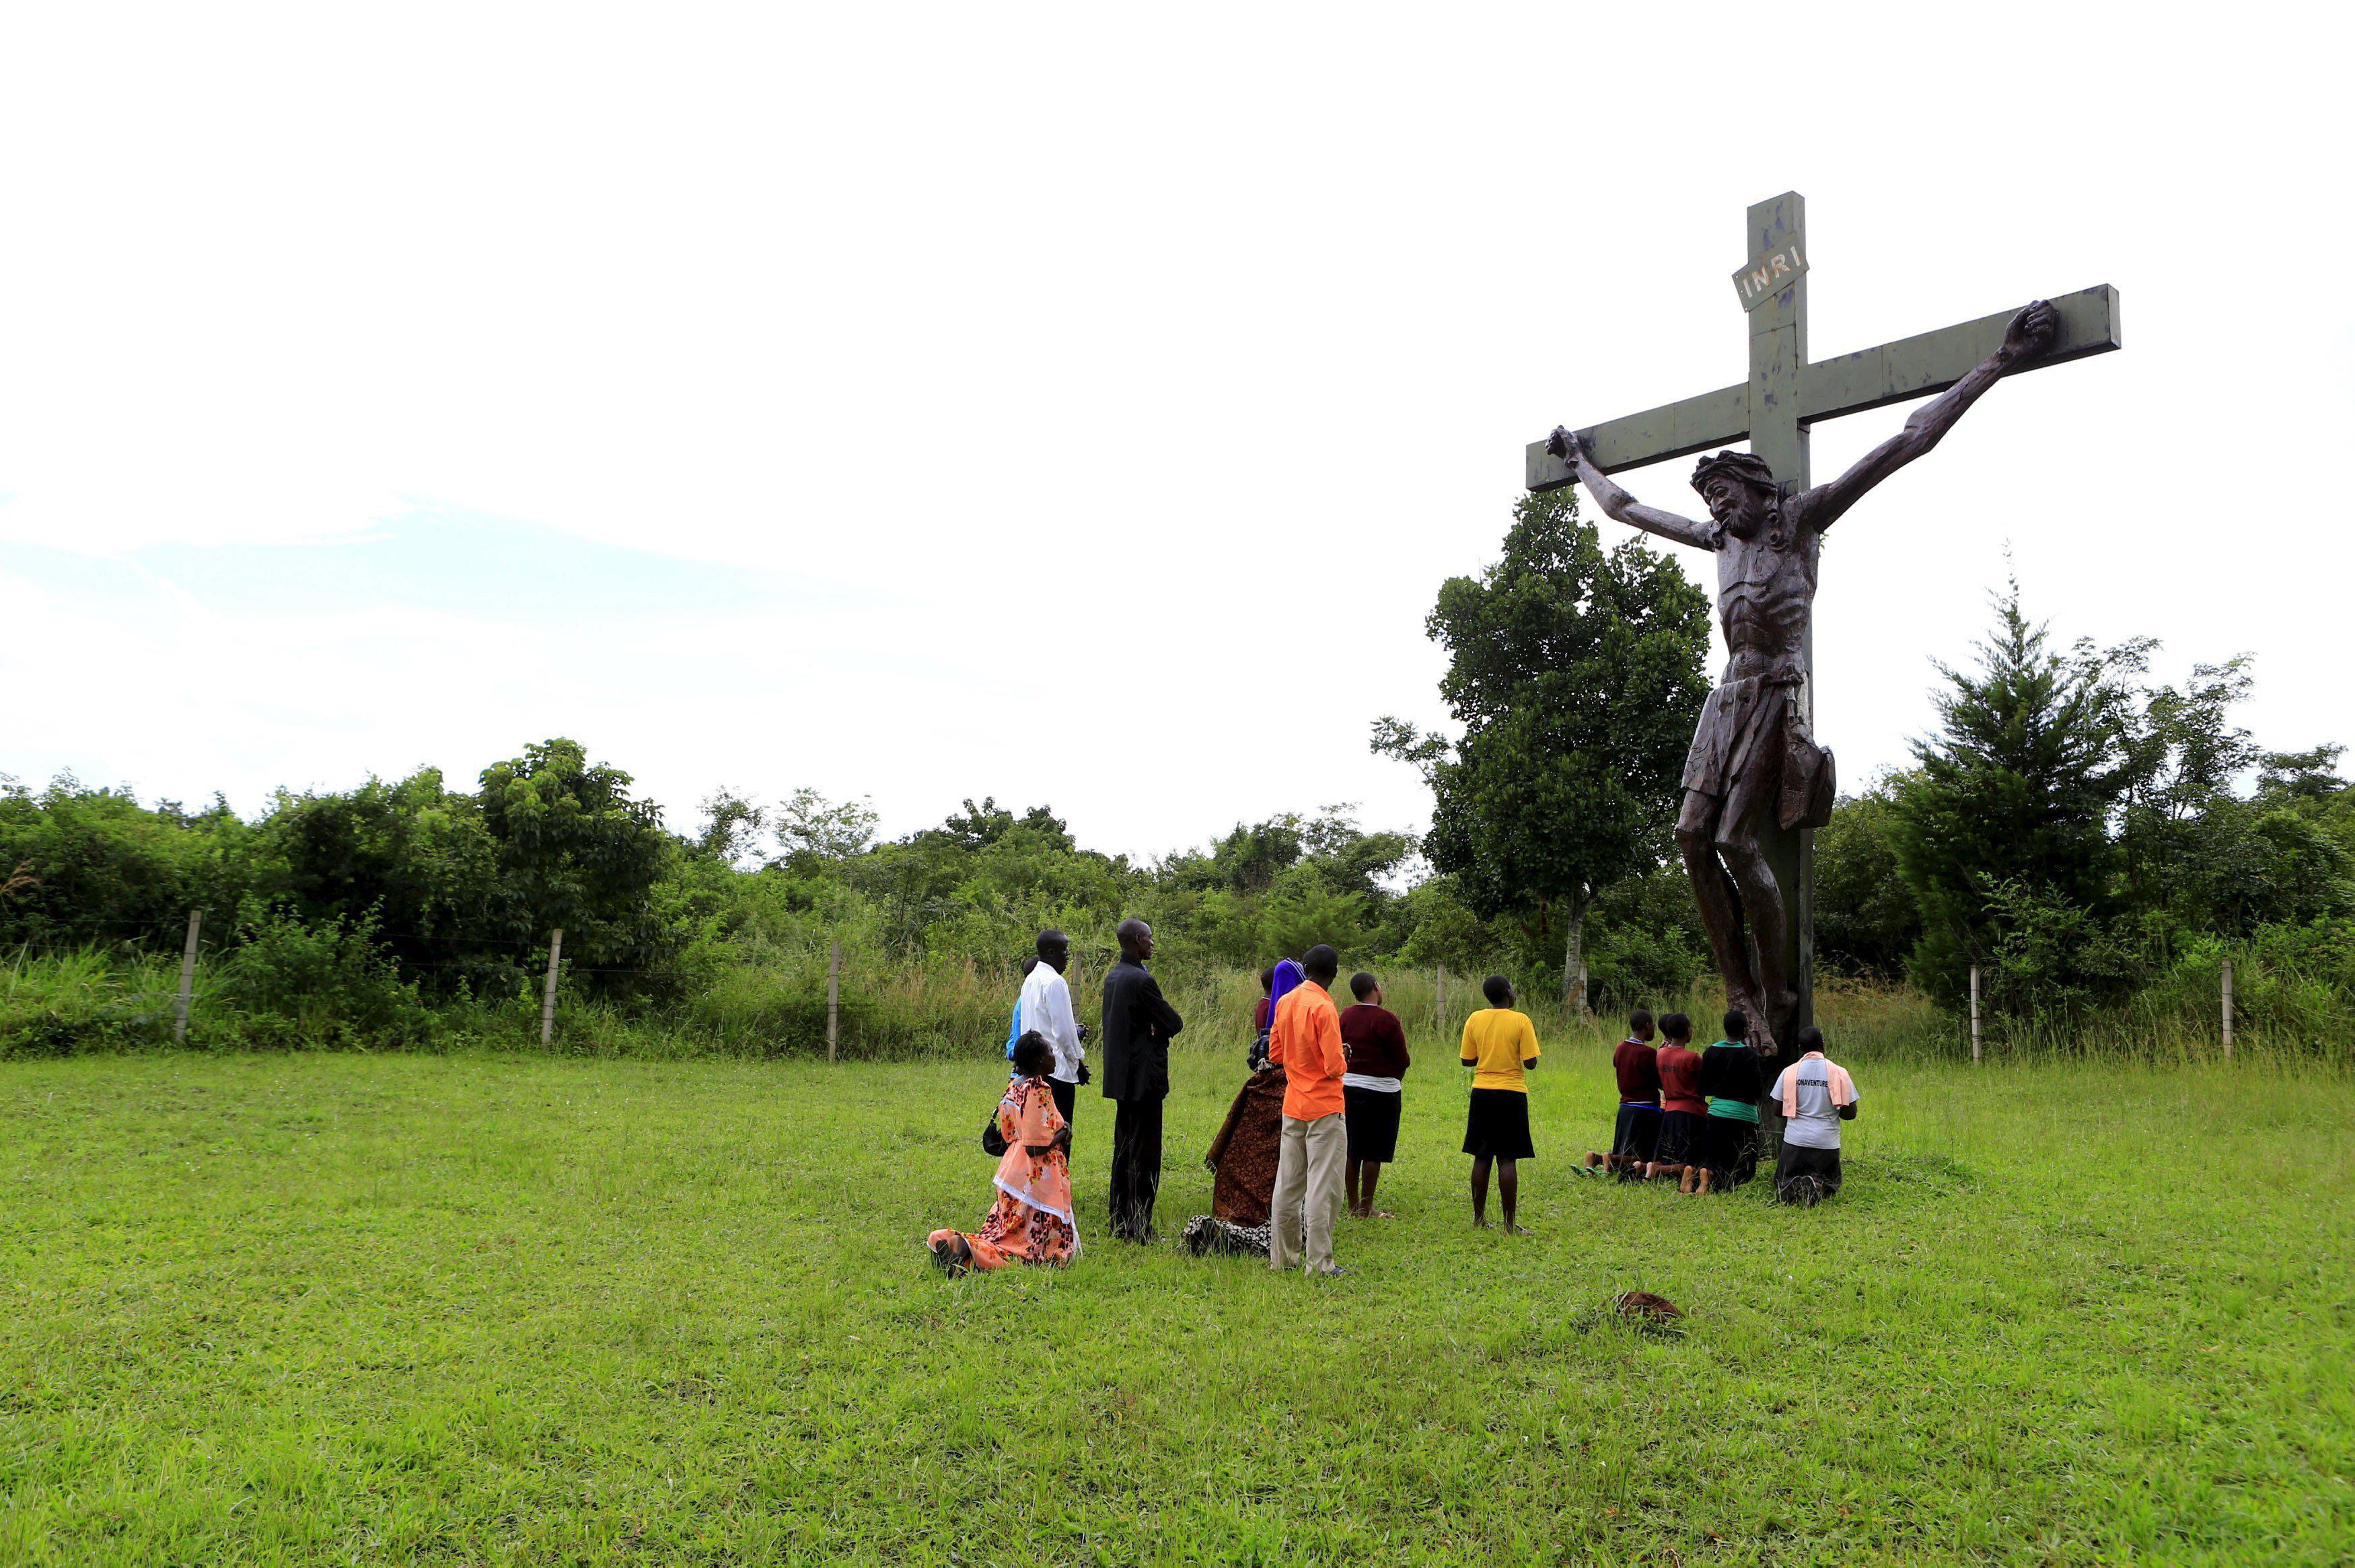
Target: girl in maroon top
{"x": 1375, "y": 1043}
{"x": 1635, "y": 1137}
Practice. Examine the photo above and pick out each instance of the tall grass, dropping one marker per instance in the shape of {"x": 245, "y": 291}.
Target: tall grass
{"x": 768, "y": 1000}
{"x": 57, "y": 1004}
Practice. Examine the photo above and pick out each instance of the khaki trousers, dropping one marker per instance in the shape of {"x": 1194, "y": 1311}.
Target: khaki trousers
{"x": 1308, "y": 1188}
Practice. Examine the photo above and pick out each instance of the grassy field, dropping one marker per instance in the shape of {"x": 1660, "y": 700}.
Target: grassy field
{"x": 477, "y": 1310}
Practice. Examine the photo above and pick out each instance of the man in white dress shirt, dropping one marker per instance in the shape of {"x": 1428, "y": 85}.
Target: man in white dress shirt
{"x": 1046, "y": 1007}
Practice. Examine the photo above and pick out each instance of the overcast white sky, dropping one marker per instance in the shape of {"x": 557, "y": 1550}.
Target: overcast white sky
{"x": 1083, "y": 404}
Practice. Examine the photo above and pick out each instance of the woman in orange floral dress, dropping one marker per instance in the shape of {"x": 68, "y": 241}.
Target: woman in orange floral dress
{"x": 1031, "y": 1220}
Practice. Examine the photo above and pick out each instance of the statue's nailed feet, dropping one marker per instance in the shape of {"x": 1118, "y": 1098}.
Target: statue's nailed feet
{"x": 1762, "y": 1021}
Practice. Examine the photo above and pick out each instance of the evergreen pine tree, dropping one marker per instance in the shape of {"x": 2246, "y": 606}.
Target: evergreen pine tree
{"x": 2014, "y": 794}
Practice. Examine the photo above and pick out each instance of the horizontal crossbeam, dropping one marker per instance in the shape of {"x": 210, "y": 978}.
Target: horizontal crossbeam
{"x": 1677, "y": 429}
{"x": 1918, "y": 366}
{"x": 1925, "y": 366}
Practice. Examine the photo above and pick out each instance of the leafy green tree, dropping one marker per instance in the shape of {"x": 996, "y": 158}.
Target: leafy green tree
{"x": 1441, "y": 929}
{"x": 1304, "y": 909}
{"x": 2311, "y": 777}
{"x": 577, "y": 851}
{"x": 1643, "y": 937}
{"x": 94, "y": 866}
{"x": 411, "y": 867}
{"x": 814, "y": 831}
{"x": 731, "y": 828}
{"x": 1866, "y": 921}
{"x": 1247, "y": 860}
{"x": 2182, "y": 754}
{"x": 2015, "y": 791}
{"x": 1577, "y": 676}
{"x": 1276, "y": 888}
{"x": 2200, "y": 862}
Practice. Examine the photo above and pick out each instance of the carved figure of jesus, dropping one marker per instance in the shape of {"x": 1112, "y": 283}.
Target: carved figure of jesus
{"x": 1752, "y": 752}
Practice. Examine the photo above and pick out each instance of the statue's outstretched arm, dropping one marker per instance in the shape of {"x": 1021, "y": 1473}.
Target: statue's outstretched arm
{"x": 2028, "y": 335}
{"x": 1617, "y": 502}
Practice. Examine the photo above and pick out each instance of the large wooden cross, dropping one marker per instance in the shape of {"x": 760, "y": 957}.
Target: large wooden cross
{"x": 1786, "y": 393}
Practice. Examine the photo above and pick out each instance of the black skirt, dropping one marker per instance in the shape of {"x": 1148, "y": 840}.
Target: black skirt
{"x": 1638, "y": 1132}
{"x": 1373, "y": 1122}
{"x": 1683, "y": 1138}
{"x": 1732, "y": 1151}
{"x": 1497, "y": 1125}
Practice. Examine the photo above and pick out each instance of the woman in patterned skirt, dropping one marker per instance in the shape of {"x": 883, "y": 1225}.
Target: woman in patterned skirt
{"x": 1031, "y": 1220}
{"x": 1242, "y": 1157}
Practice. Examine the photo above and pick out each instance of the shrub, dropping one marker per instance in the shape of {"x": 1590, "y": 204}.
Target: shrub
{"x": 323, "y": 986}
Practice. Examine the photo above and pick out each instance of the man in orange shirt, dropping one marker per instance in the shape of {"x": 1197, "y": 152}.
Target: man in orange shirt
{"x": 1306, "y": 1042}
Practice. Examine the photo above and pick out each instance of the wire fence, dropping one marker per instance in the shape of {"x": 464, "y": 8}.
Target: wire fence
{"x": 798, "y": 995}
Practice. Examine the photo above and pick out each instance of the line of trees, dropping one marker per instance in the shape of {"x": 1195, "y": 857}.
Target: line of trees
{"x": 2080, "y": 833}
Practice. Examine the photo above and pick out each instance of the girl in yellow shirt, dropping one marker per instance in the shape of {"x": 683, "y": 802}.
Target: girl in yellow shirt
{"x": 1500, "y": 1046}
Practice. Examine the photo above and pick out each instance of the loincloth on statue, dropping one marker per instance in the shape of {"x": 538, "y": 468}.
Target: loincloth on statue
{"x": 1751, "y": 728}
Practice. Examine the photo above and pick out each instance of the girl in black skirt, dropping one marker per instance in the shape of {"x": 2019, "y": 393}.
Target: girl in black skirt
{"x": 1733, "y": 1078}
{"x": 1500, "y": 1046}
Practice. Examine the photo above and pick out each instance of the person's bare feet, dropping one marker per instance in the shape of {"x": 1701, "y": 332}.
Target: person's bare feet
{"x": 1685, "y": 1184}
{"x": 1479, "y": 1224}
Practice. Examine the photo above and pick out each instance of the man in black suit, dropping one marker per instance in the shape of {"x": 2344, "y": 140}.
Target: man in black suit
{"x": 1137, "y": 1024}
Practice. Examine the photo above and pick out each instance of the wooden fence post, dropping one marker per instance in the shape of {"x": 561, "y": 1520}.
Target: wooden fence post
{"x": 548, "y": 997}
{"x": 2228, "y": 1009}
{"x": 1975, "y": 1012}
{"x": 832, "y": 999}
{"x": 188, "y": 980}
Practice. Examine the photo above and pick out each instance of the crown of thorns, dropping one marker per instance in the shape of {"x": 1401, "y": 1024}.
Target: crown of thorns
{"x": 1742, "y": 466}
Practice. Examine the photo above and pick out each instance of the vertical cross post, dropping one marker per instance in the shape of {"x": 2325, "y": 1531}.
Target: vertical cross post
{"x": 188, "y": 984}
{"x": 548, "y": 994}
{"x": 1778, "y": 358}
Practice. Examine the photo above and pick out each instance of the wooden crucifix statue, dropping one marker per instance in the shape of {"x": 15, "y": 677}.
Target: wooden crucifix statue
{"x": 1756, "y": 784}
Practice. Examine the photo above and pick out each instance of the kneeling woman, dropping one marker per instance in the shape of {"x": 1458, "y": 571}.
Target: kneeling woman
{"x": 1031, "y": 1220}
{"x": 1243, "y": 1157}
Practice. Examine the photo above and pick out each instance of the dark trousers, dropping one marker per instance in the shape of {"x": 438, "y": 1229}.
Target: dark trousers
{"x": 1067, "y": 1096}
{"x": 1801, "y": 1169}
{"x": 1135, "y": 1167}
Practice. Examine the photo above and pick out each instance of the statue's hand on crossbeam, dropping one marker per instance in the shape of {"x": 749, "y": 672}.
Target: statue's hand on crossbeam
{"x": 2031, "y": 332}
{"x": 1566, "y": 444}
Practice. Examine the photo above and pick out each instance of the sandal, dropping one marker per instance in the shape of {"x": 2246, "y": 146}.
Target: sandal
{"x": 944, "y": 1252}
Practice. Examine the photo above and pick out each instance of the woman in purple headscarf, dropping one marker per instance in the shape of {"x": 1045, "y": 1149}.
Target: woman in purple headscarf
{"x": 1243, "y": 1156}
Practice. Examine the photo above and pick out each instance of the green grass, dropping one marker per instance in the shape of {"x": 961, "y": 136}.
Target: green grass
{"x": 472, "y": 1310}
